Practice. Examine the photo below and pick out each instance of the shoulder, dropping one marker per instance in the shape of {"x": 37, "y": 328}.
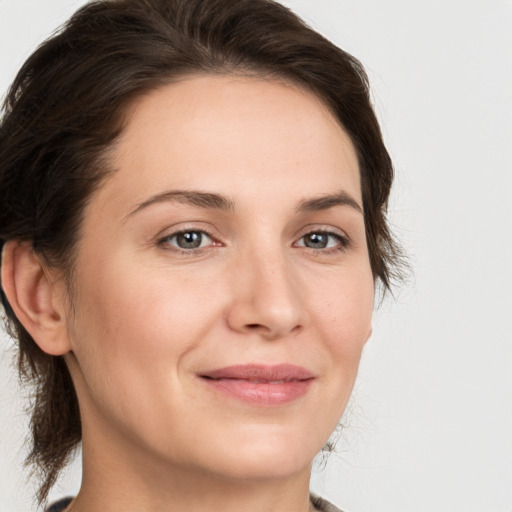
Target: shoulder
{"x": 323, "y": 505}
{"x": 59, "y": 506}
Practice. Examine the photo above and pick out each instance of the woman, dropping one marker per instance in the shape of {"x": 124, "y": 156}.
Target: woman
{"x": 193, "y": 224}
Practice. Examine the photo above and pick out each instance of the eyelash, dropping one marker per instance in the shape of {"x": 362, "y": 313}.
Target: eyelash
{"x": 165, "y": 242}
{"x": 342, "y": 242}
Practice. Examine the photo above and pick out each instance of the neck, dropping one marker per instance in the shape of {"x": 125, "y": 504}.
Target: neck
{"x": 121, "y": 476}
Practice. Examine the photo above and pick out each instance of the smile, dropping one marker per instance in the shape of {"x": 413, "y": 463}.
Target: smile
{"x": 259, "y": 384}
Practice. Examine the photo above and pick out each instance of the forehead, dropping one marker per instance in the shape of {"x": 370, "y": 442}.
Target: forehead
{"x": 237, "y": 133}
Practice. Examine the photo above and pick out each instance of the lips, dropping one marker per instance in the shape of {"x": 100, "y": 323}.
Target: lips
{"x": 261, "y": 384}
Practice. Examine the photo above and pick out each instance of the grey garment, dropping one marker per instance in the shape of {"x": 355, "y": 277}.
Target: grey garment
{"x": 319, "y": 503}
{"x": 323, "y": 505}
{"x": 60, "y": 506}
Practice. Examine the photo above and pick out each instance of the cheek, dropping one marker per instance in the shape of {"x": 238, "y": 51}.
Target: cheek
{"x": 131, "y": 333}
{"x": 134, "y": 315}
{"x": 343, "y": 315}
{"x": 137, "y": 328}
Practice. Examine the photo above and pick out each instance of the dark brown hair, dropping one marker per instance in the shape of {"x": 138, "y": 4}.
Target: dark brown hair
{"x": 65, "y": 109}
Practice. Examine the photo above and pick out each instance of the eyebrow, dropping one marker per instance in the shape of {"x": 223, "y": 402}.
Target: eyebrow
{"x": 191, "y": 197}
{"x": 214, "y": 201}
{"x": 328, "y": 201}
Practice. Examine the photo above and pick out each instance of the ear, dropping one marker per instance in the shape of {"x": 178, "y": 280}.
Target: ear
{"x": 36, "y": 299}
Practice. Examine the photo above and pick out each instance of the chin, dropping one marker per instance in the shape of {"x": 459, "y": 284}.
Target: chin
{"x": 266, "y": 455}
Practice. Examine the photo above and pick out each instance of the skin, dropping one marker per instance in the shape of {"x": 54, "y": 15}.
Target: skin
{"x": 148, "y": 316}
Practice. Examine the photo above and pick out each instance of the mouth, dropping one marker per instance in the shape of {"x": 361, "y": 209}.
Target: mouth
{"x": 260, "y": 384}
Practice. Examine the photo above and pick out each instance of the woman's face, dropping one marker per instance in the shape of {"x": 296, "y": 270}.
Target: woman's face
{"x": 223, "y": 286}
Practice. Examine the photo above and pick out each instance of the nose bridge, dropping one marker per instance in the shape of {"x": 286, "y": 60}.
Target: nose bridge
{"x": 274, "y": 284}
{"x": 268, "y": 295}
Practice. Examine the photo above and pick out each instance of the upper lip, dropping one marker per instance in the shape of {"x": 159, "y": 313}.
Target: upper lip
{"x": 261, "y": 373}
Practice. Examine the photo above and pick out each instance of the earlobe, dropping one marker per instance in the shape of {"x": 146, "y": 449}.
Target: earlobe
{"x": 34, "y": 298}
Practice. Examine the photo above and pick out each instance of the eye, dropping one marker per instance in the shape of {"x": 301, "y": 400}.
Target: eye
{"x": 188, "y": 240}
{"x": 322, "y": 240}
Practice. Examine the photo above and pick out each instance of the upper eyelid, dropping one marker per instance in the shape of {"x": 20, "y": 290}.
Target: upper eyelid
{"x": 182, "y": 231}
{"x": 185, "y": 227}
{"x": 187, "y": 230}
{"x": 322, "y": 228}
{"x": 335, "y": 234}
{"x": 342, "y": 239}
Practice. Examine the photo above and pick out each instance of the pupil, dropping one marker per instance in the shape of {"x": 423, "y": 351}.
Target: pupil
{"x": 316, "y": 240}
{"x": 189, "y": 240}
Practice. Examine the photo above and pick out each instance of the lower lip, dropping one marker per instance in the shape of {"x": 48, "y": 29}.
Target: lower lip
{"x": 261, "y": 393}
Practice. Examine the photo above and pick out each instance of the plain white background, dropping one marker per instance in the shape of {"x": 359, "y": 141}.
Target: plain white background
{"x": 430, "y": 425}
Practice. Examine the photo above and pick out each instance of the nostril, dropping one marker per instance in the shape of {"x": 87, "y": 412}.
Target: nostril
{"x": 257, "y": 328}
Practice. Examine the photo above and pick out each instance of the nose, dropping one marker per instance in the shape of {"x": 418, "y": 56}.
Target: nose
{"x": 266, "y": 298}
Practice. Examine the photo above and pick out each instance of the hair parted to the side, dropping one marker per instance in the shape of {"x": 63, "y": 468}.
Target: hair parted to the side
{"x": 65, "y": 110}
